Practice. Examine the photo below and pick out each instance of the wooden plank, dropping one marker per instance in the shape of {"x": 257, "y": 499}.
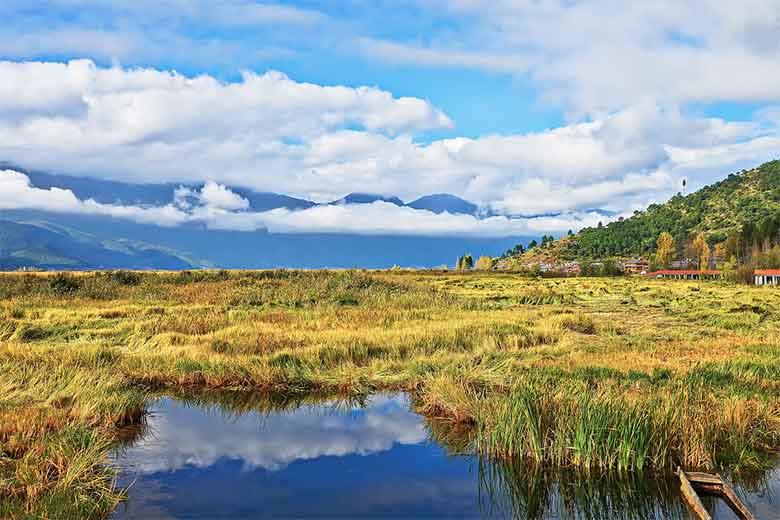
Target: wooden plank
{"x": 715, "y": 485}
{"x": 736, "y": 504}
{"x": 694, "y": 477}
{"x": 692, "y": 498}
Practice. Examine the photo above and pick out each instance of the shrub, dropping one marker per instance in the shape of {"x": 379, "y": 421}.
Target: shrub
{"x": 63, "y": 283}
{"x": 127, "y": 278}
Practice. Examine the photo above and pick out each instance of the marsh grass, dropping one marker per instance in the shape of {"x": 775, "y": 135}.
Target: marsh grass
{"x": 626, "y": 375}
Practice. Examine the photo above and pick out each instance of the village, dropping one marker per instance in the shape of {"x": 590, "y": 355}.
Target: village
{"x": 684, "y": 269}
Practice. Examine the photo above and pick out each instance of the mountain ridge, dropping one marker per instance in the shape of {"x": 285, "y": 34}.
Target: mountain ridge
{"x": 732, "y": 209}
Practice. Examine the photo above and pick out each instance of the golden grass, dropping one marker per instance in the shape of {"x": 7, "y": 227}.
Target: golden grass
{"x": 625, "y": 373}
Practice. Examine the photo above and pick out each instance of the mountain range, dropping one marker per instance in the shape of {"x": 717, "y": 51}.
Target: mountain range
{"x": 44, "y": 239}
{"x": 112, "y": 192}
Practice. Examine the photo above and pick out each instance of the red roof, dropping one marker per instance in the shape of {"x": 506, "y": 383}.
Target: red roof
{"x": 682, "y": 272}
{"x": 767, "y": 272}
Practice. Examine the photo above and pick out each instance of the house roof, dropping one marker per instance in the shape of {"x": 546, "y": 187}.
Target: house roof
{"x": 767, "y": 272}
{"x": 665, "y": 272}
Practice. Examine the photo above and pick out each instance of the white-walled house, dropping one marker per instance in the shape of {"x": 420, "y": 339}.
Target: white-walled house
{"x": 767, "y": 277}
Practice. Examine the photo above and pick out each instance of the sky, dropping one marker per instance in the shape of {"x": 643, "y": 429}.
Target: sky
{"x": 550, "y": 115}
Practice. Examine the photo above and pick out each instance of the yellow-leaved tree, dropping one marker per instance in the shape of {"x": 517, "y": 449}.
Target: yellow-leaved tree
{"x": 702, "y": 250}
{"x": 485, "y": 263}
{"x": 666, "y": 249}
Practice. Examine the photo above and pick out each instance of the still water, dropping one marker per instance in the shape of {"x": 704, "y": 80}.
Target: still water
{"x": 239, "y": 456}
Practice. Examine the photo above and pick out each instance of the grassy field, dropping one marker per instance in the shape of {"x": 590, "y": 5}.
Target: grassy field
{"x": 618, "y": 374}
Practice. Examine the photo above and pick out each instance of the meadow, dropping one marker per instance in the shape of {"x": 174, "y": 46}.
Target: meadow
{"x": 625, "y": 375}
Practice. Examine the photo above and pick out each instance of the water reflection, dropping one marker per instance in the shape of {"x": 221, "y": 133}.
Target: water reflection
{"x": 185, "y": 436}
{"x": 235, "y": 455}
{"x": 536, "y": 493}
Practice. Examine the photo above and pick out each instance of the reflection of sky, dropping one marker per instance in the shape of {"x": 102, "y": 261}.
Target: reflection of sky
{"x": 315, "y": 461}
{"x": 185, "y": 436}
{"x": 326, "y": 461}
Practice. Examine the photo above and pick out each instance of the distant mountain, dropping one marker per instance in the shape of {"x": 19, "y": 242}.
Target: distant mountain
{"x": 48, "y": 246}
{"x": 222, "y": 248}
{"x": 265, "y": 201}
{"x": 745, "y": 207}
{"x": 112, "y": 192}
{"x": 443, "y": 202}
{"x": 367, "y": 198}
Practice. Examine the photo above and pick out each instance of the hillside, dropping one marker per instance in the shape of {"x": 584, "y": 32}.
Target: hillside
{"x": 43, "y": 245}
{"x": 743, "y": 203}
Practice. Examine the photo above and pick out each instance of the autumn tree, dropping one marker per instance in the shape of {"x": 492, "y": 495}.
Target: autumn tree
{"x": 720, "y": 252}
{"x": 702, "y": 249}
{"x": 485, "y": 263}
{"x": 705, "y": 257}
{"x": 664, "y": 254}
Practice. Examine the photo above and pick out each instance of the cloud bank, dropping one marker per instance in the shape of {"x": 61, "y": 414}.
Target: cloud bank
{"x": 217, "y": 207}
{"x": 268, "y": 132}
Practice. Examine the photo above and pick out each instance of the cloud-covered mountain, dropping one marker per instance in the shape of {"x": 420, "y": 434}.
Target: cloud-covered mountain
{"x": 444, "y": 202}
{"x": 367, "y": 198}
{"x": 101, "y": 224}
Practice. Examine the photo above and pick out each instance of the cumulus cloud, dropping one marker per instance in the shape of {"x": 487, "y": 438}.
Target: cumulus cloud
{"x": 268, "y": 132}
{"x": 219, "y": 197}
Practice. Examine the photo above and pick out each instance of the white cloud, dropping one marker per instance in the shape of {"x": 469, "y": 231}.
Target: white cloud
{"x": 219, "y": 197}
{"x": 594, "y": 56}
{"x": 268, "y": 132}
{"x": 382, "y": 218}
{"x": 17, "y": 193}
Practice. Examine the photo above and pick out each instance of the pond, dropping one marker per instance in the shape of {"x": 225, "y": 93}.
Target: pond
{"x": 233, "y": 455}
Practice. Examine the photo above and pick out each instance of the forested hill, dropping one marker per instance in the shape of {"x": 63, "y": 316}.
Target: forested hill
{"x": 744, "y": 205}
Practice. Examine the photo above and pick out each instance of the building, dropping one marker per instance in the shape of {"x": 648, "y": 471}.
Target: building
{"x": 635, "y": 266}
{"x": 766, "y": 276}
{"x": 686, "y": 274}
{"x": 571, "y": 269}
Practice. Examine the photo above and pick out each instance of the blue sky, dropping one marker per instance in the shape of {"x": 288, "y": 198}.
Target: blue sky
{"x": 526, "y": 108}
